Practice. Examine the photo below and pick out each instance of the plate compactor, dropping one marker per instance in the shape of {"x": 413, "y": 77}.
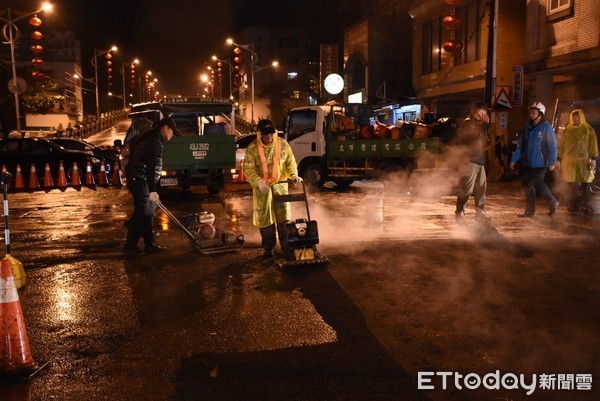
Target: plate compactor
{"x": 298, "y": 238}
{"x": 202, "y": 233}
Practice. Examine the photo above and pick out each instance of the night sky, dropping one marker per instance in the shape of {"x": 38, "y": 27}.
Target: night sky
{"x": 176, "y": 38}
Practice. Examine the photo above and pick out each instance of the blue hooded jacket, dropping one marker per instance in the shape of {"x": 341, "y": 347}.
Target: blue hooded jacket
{"x": 541, "y": 147}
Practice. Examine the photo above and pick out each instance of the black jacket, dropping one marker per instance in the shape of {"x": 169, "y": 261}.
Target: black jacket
{"x": 471, "y": 133}
{"x": 145, "y": 160}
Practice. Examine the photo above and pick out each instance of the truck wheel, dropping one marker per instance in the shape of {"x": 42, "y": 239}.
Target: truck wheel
{"x": 314, "y": 175}
{"x": 213, "y": 188}
{"x": 343, "y": 182}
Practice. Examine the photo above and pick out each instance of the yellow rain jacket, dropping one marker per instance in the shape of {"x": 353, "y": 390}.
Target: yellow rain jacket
{"x": 259, "y": 156}
{"x": 577, "y": 146}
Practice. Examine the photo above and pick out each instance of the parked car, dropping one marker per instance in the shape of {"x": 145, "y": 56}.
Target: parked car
{"x": 37, "y": 151}
{"x": 108, "y": 155}
{"x": 241, "y": 143}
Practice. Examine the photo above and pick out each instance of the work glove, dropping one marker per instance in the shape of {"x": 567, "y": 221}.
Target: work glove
{"x": 296, "y": 179}
{"x": 154, "y": 197}
{"x": 262, "y": 186}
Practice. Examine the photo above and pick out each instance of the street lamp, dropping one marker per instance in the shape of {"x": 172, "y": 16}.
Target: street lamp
{"x": 13, "y": 35}
{"x": 218, "y": 60}
{"x": 253, "y": 69}
{"x": 132, "y": 62}
{"x": 253, "y": 56}
{"x": 94, "y": 62}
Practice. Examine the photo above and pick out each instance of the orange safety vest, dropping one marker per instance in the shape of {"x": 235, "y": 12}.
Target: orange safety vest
{"x": 261, "y": 152}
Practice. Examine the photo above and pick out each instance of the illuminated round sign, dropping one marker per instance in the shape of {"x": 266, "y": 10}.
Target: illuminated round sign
{"x": 334, "y": 84}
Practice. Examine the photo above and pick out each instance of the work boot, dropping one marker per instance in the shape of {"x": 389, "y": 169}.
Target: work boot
{"x": 268, "y": 253}
{"x": 152, "y": 249}
{"x": 553, "y": 208}
{"x": 482, "y": 217}
{"x": 131, "y": 250}
{"x": 526, "y": 214}
{"x": 460, "y": 218}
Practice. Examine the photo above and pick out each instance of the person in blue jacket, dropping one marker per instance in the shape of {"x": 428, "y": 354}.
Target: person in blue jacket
{"x": 538, "y": 148}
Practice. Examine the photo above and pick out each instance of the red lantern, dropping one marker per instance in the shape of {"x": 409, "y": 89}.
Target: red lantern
{"x": 109, "y": 70}
{"x": 452, "y": 22}
{"x": 108, "y": 56}
{"x": 453, "y": 46}
{"x": 37, "y": 48}
{"x": 219, "y": 64}
{"x": 451, "y": 2}
{"x": 36, "y": 35}
{"x": 35, "y": 21}
{"x": 108, "y": 63}
{"x": 237, "y": 60}
{"x": 37, "y": 75}
{"x": 37, "y": 62}
{"x": 237, "y": 50}
{"x": 237, "y": 68}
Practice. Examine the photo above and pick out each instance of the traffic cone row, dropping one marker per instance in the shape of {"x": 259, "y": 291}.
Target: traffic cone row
{"x": 61, "y": 182}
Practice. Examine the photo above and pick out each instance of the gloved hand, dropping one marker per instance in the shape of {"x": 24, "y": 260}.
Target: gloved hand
{"x": 262, "y": 186}
{"x": 593, "y": 164}
{"x": 154, "y": 197}
{"x": 297, "y": 179}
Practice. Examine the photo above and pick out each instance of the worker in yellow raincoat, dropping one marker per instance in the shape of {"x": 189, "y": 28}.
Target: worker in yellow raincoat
{"x": 269, "y": 159}
{"x": 577, "y": 153}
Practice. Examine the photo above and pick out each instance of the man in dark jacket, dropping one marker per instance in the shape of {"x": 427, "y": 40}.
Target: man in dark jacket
{"x": 471, "y": 134}
{"x": 143, "y": 174}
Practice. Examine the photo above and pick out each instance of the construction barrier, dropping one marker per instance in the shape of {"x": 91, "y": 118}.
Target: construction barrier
{"x": 15, "y": 355}
{"x": 64, "y": 179}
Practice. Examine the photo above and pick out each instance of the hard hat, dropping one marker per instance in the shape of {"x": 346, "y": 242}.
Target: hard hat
{"x": 538, "y": 105}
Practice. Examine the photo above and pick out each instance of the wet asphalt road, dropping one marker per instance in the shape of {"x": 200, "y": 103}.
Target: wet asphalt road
{"x": 407, "y": 290}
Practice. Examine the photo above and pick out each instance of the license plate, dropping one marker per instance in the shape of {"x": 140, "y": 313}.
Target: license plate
{"x": 168, "y": 182}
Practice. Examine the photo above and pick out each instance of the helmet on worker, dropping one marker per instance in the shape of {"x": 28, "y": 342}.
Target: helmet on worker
{"x": 539, "y": 106}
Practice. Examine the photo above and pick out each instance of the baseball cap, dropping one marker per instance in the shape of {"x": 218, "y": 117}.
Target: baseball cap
{"x": 480, "y": 106}
{"x": 266, "y": 127}
{"x": 169, "y": 122}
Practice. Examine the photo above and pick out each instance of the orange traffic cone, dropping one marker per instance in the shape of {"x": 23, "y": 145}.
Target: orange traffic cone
{"x": 117, "y": 179}
{"x": 48, "y": 183}
{"x": 15, "y": 356}
{"x": 19, "y": 184}
{"x": 89, "y": 177}
{"x": 62, "y": 178}
{"x": 102, "y": 177}
{"x": 34, "y": 183}
{"x": 75, "y": 178}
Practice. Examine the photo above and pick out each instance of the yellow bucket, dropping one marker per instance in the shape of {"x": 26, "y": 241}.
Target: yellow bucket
{"x": 18, "y": 270}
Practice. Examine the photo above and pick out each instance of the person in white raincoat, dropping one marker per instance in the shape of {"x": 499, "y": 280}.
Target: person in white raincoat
{"x": 269, "y": 159}
{"x": 577, "y": 153}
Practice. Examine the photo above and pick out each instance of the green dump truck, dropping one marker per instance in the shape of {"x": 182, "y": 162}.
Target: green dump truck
{"x": 344, "y": 143}
{"x": 205, "y": 153}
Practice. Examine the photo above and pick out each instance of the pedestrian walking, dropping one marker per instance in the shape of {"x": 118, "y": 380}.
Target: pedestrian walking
{"x": 469, "y": 141}
{"x": 269, "y": 159}
{"x": 577, "y": 153}
{"x": 537, "y": 150}
{"x": 143, "y": 174}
